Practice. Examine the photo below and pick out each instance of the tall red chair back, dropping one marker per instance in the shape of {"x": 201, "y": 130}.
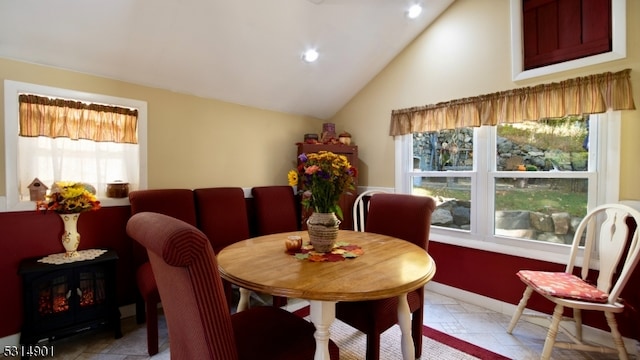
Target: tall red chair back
{"x": 222, "y": 215}
{"x": 179, "y": 204}
{"x": 406, "y": 217}
{"x": 193, "y": 298}
{"x": 276, "y": 209}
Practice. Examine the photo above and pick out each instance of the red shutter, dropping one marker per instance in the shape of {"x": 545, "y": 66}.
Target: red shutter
{"x": 555, "y": 31}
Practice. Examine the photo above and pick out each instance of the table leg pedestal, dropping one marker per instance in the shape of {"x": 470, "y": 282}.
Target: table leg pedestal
{"x": 243, "y": 303}
{"x": 404, "y": 320}
{"x": 322, "y": 315}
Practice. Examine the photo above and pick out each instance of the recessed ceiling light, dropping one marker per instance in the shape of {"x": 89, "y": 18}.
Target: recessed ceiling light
{"x": 414, "y": 11}
{"x": 310, "y": 55}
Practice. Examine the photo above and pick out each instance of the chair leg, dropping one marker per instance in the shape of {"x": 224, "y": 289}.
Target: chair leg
{"x": 521, "y": 305}
{"x": 577, "y": 319}
{"x": 552, "y": 333}
{"x": 617, "y": 337}
{"x": 373, "y": 346}
{"x": 152, "y": 328}
{"x": 140, "y": 310}
{"x": 279, "y": 301}
{"x": 416, "y": 331}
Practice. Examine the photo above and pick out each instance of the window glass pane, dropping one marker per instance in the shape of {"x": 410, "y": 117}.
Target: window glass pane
{"x": 534, "y": 206}
{"x": 452, "y": 196}
{"x": 63, "y": 159}
{"x": 547, "y": 145}
{"x": 543, "y": 209}
{"x": 444, "y": 150}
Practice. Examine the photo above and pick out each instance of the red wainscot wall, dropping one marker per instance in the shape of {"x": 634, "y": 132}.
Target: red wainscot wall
{"x": 28, "y": 235}
{"x": 32, "y": 235}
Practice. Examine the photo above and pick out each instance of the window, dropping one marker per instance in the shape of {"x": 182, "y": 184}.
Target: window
{"x": 513, "y": 186}
{"x": 443, "y": 169}
{"x": 487, "y": 162}
{"x": 60, "y": 158}
{"x": 555, "y": 31}
{"x": 618, "y": 44}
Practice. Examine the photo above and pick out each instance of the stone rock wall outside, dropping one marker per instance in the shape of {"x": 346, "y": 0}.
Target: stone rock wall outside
{"x": 555, "y": 227}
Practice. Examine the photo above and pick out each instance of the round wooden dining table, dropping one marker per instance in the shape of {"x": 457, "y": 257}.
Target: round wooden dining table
{"x": 387, "y": 267}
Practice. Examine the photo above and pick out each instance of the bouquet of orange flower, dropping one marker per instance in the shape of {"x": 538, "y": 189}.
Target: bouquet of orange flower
{"x": 323, "y": 177}
{"x": 69, "y": 198}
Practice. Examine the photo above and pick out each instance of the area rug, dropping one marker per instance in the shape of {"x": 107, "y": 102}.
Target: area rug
{"x": 435, "y": 344}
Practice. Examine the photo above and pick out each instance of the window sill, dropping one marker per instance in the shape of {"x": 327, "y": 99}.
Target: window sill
{"x": 31, "y": 205}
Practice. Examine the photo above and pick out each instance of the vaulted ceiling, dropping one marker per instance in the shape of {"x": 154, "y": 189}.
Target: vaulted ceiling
{"x": 241, "y": 51}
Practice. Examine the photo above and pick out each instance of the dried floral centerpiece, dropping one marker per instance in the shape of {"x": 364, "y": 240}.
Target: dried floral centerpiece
{"x": 322, "y": 178}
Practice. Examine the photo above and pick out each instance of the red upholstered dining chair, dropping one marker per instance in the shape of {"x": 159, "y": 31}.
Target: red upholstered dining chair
{"x": 406, "y": 217}
{"x": 276, "y": 211}
{"x": 177, "y": 203}
{"x": 199, "y": 322}
{"x": 603, "y": 234}
{"x": 222, "y": 217}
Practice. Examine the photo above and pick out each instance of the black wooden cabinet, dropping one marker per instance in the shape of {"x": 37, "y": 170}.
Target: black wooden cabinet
{"x": 64, "y": 299}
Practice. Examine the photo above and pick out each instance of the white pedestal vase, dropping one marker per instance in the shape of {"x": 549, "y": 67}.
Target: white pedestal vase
{"x": 70, "y": 236}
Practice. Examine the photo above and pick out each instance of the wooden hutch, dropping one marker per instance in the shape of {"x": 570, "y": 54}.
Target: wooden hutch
{"x": 347, "y": 199}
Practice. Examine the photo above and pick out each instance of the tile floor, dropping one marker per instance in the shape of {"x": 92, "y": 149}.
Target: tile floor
{"x": 468, "y": 322}
{"x": 487, "y": 329}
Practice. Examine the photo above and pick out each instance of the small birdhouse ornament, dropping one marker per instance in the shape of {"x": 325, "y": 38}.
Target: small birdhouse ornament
{"x": 37, "y": 190}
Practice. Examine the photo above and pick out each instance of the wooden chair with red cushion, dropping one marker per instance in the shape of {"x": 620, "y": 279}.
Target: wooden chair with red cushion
{"x": 177, "y": 203}
{"x": 199, "y": 322}
{"x": 406, "y": 217}
{"x": 603, "y": 234}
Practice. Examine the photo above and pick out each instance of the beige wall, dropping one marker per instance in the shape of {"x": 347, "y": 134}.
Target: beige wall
{"x": 193, "y": 142}
{"x": 466, "y": 52}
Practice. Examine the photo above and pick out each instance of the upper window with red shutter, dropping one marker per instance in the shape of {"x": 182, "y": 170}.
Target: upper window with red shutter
{"x": 561, "y": 30}
{"x": 551, "y": 36}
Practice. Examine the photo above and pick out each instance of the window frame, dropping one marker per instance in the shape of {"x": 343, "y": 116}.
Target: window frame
{"x": 11, "y": 125}
{"x": 618, "y": 46}
{"x": 604, "y": 162}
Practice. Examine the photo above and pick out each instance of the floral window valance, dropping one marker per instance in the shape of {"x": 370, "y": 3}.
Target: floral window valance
{"x": 585, "y": 95}
{"x": 42, "y": 116}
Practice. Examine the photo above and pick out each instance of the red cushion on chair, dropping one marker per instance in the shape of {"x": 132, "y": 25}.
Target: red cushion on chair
{"x": 562, "y": 285}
